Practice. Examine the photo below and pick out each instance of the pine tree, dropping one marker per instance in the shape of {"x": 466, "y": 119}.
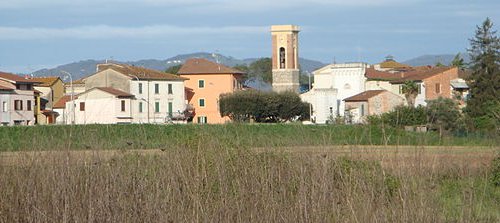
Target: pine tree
{"x": 484, "y": 81}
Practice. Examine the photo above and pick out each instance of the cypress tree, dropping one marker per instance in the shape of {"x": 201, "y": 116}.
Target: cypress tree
{"x": 484, "y": 82}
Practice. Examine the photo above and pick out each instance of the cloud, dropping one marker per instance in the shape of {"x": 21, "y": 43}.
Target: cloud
{"x": 239, "y": 5}
{"x": 114, "y": 32}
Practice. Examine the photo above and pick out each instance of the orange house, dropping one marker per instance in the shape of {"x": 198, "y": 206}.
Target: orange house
{"x": 207, "y": 81}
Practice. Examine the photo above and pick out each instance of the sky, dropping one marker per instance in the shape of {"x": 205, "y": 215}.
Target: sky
{"x": 37, "y": 34}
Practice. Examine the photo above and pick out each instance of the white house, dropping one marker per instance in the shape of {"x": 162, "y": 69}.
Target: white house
{"x": 348, "y": 79}
{"x": 100, "y": 105}
{"x": 323, "y": 102}
{"x": 158, "y": 97}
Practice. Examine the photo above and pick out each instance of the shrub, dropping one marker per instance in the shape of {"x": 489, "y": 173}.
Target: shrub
{"x": 263, "y": 106}
{"x": 444, "y": 115}
{"x": 495, "y": 171}
{"x": 401, "y": 116}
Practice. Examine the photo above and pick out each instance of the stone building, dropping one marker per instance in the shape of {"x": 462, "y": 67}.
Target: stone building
{"x": 373, "y": 102}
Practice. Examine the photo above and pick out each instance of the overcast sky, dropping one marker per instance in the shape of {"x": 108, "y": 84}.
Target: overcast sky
{"x": 38, "y": 34}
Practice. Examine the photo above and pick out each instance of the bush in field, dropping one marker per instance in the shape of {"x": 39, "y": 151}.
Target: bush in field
{"x": 495, "y": 171}
{"x": 444, "y": 115}
{"x": 401, "y": 116}
{"x": 260, "y": 106}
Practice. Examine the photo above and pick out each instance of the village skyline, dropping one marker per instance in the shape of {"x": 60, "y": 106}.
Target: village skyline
{"x": 44, "y": 34}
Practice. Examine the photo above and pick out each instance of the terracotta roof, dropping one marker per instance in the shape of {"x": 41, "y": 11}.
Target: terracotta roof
{"x": 419, "y": 75}
{"x": 139, "y": 72}
{"x": 16, "y": 78}
{"x": 46, "y": 81}
{"x": 115, "y": 92}
{"x": 204, "y": 66}
{"x": 371, "y": 73}
{"x": 62, "y": 101}
{"x": 4, "y": 85}
{"x": 391, "y": 64}
{"x": 364, "y": 96}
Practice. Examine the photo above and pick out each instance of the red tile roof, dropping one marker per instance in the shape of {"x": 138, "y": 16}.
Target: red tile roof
{"x": 204, "y": 66}
{"x": 15, "y": 78}
{"x": 371, "y": 73}
{"x": 46, "y": 81}
{"x": 419, "y": 75}
{"x": 139, "y": 72}
{"x": 115, "y": 92}
{"x": 4, "y": 85}
{"x": 364, "y": 96}
{"x": 62, "y": 101}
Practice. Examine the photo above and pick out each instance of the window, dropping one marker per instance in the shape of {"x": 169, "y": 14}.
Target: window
{"x": 18, "y": 105}
{"x": 123, "y": 105}
{"x": 28, "y": 105}
{"x": 140, "y": 107}
{"x": 201, "y": 83}
{"x": 202, "y": 119}
{"x": 82, "y": 106}
{"x": 157, "y": 88}
{"x": 4, "y": 106}
{"x": 157, "y": 107}
{"x": 170, "y": 89}
{"x": 362, "y": 110}
{"x": 170, "y": 108}
{"x": 201, "y": 102}
{"x": 140, "y": 88}
{"x": 338, "y": 107}
{"x": 282, "y": 58}
{"x": 438, "y": 88}
{"x": 419, "y": 88}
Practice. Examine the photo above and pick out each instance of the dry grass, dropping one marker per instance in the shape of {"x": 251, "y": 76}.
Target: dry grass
{"x": 243, "y": 173}
{"x": 209, "y": 182}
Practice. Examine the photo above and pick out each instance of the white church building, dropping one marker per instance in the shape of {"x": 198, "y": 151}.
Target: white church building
{"x": 332, "y": 84}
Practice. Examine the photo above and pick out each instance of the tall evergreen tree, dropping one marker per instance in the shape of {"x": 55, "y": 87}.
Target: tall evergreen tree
{"x": 484, "y": 82}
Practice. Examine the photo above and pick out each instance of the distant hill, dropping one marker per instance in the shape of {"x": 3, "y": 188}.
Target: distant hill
{"x": 434, "y": 59}
{"x": 84, "y": 68}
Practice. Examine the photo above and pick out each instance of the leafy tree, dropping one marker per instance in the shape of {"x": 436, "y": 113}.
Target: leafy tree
{"x": 173, "y": 69}
{"x": 262, "y": 69}
{"x": 484, "y": 82}
{"x": 260, "y": 106}
{"x": 410, "y": 90}
{"x": 444, "y": 115}
{"x": 458, "y": 61}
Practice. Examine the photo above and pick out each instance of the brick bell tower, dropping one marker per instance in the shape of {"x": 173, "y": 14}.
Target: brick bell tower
{"x": 285, "y": 58}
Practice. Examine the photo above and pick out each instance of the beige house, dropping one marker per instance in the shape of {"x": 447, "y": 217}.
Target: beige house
{"x": 75, "y": 87}
{"x": 151, "y": 96}
{"x": 100, "y": 105}
{"x": 372, "y": 102}
{"x": 50, "y": 90}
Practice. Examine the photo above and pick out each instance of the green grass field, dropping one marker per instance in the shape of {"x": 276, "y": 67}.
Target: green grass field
{"x": 234, "y": 136}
